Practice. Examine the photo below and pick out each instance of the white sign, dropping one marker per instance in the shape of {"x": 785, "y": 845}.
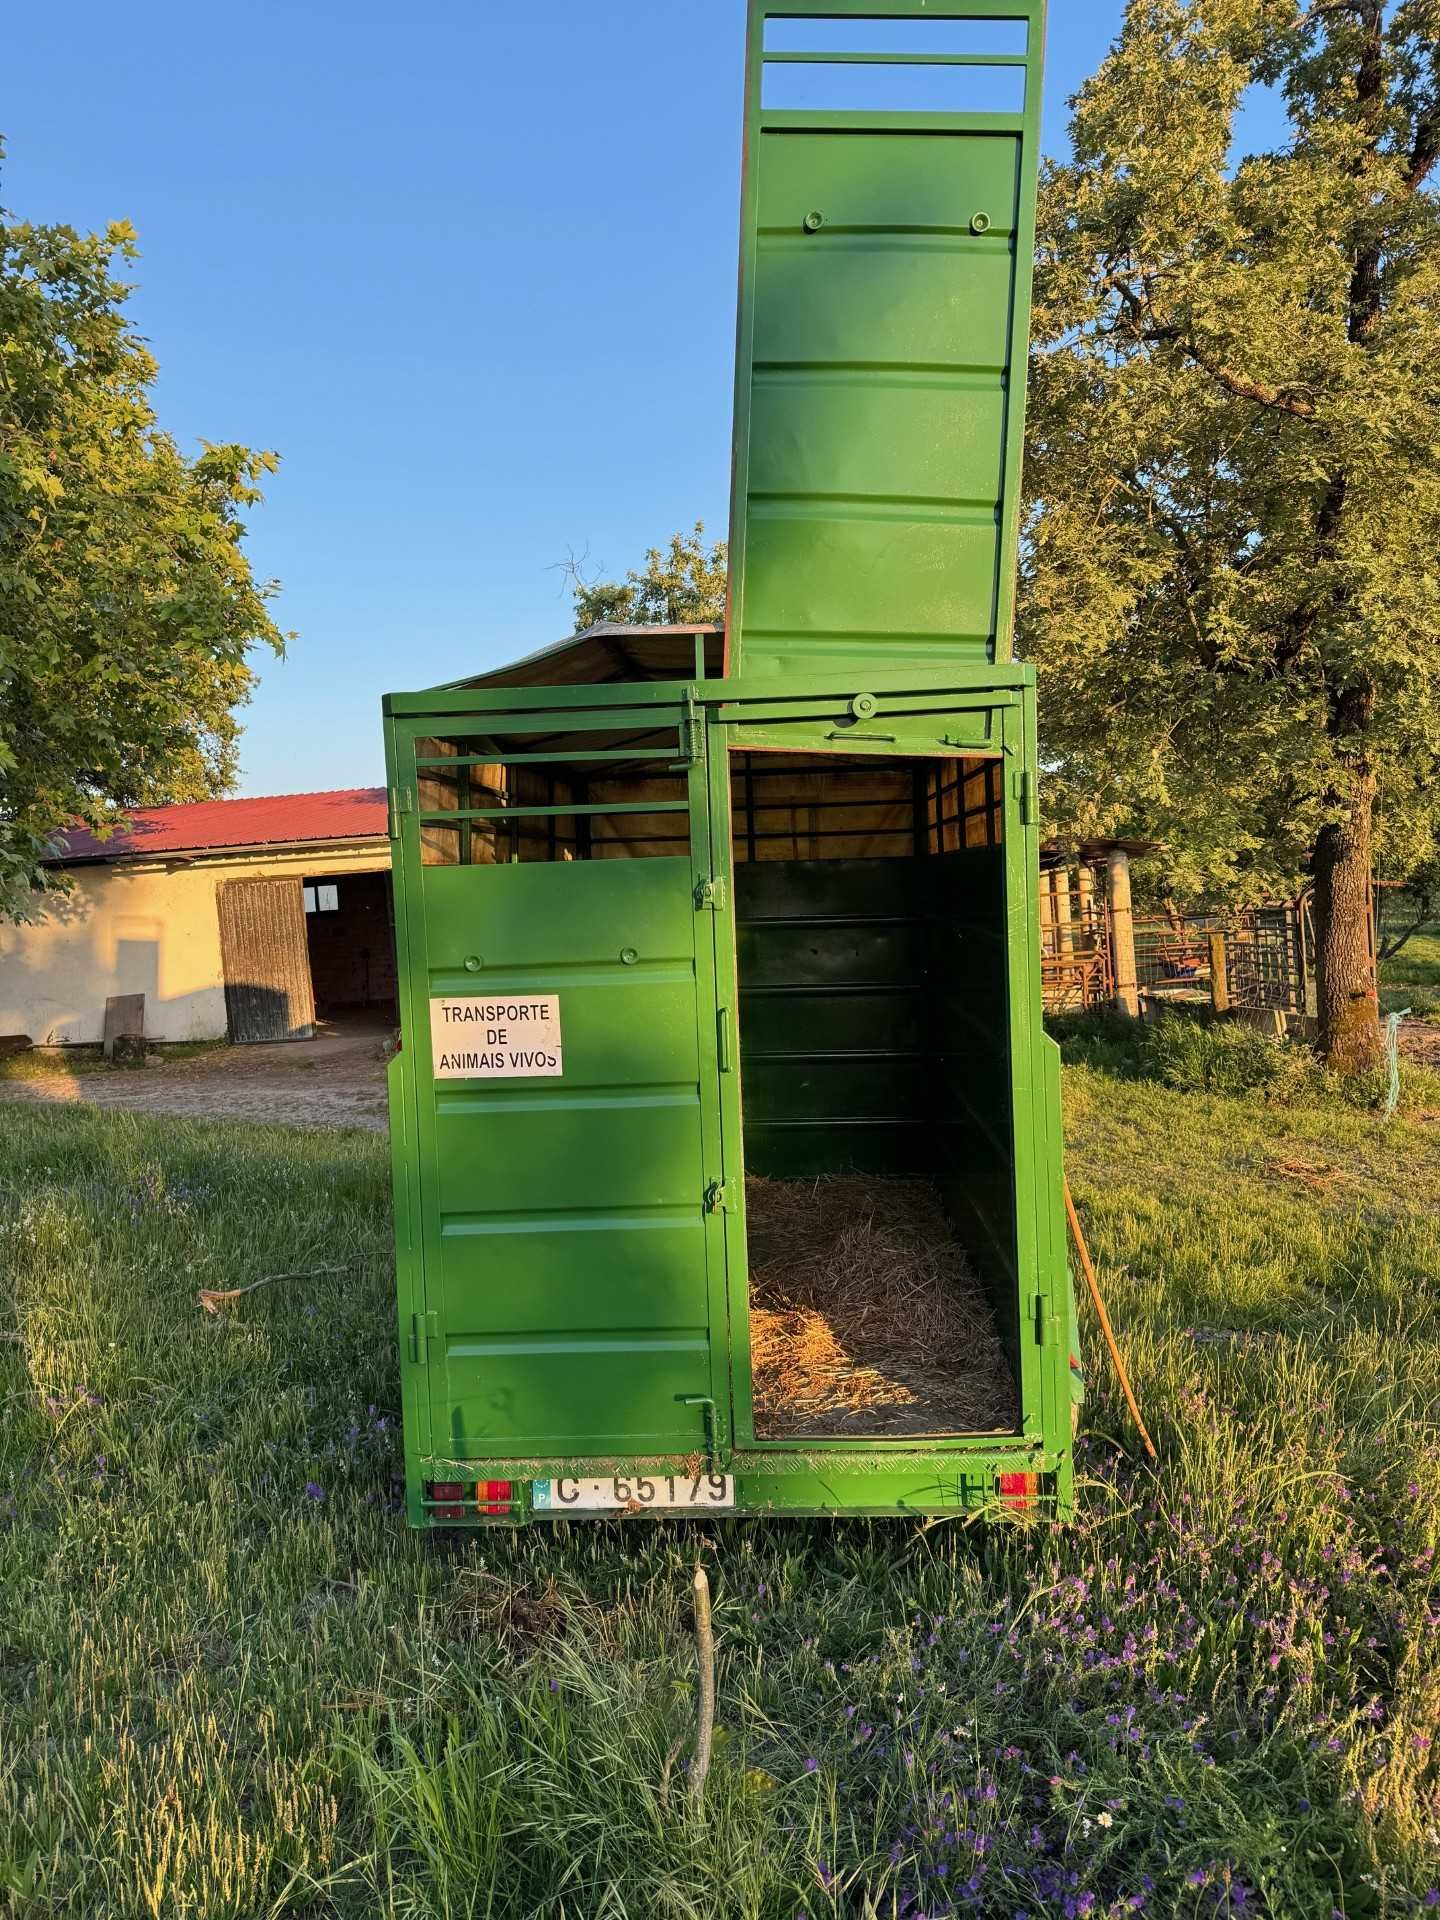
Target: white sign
{"x": 474, "y": 1037}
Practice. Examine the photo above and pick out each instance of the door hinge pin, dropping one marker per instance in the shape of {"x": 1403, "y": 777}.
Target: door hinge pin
{"x": 1029, "y": 806}
{"x": 690, "y": 735}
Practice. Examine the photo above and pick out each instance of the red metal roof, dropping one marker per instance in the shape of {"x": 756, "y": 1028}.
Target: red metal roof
{"x": 271, "y": 820}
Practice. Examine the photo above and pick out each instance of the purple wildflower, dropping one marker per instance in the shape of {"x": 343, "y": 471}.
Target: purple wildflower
{"x": 313, "y": 1490}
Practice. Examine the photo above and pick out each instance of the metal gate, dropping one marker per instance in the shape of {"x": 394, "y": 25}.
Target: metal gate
{"x": 1076, "y": 966}
{"x": 266, "y": 959}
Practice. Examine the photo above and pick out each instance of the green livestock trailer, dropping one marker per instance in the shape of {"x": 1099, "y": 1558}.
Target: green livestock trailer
{"x": 725, "y": 1132}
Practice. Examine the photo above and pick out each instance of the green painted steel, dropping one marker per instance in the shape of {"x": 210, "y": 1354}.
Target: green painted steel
{"x": 843, "y": 967}
{"x": 571, "y": 1252}
{"x": 885, "y": 259}
{"x": 561, "y": 1235}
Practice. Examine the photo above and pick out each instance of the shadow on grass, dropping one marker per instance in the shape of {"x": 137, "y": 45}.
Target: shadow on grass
{"x": 1105, "y": 1042}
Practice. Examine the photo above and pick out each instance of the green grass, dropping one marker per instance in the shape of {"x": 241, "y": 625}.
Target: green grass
{"x": 1412, "y": 977}
{"x": 38, "y": 1063}
{"x": 233, "y": 1684}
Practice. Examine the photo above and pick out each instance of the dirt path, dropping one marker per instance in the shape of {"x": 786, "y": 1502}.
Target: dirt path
{"x": 337, "y": 1080}
{"x": 1420, "y": 1042}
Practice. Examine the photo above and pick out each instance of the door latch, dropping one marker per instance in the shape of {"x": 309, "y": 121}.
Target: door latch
{"x": 707, "y": 1409}
{"x": 717, "y": 1197}
{"x": 710, "y": 893}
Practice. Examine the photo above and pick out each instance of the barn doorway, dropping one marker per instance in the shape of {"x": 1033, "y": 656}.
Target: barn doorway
{"x": 350, "y": 937}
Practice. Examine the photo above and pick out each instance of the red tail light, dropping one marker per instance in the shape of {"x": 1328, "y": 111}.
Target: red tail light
{"x": 445, "y": 1490}
{"x": 493, "y": 1496}
{"x": 1018, "y": 1490}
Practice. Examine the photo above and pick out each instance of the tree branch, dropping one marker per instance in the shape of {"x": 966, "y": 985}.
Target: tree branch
{"x": 1279, "y": 399}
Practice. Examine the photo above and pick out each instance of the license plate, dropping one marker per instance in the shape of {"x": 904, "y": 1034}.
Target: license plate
{"x": 637, "y": 1493}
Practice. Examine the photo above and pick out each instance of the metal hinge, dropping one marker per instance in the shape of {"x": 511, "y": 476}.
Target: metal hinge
{"x": 1029, "y": 805}
{"x": 710, "y": 893}
{"x": 423, "y": 1329}
{"x": 402, "y": 800}
{"x": 691, "y": 734}
{"x": 717, "y": 1197}
{"x": 1040, "y": 1307}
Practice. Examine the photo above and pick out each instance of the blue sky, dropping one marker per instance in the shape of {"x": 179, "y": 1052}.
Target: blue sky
{"x": 469, "y": 269}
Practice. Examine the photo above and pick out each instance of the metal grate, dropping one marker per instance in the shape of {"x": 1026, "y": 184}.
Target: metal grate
{"x": 1265, "y": 951}
{"x": 1076, "y": 966}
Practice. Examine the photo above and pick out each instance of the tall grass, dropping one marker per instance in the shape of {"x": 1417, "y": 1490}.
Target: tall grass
{"x": 233, "y": 1684}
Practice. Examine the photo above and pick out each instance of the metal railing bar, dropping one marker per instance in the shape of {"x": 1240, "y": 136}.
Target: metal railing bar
{"x": 454, "y": 815}
{"x": 794, "y": 59}
{"x": 605, "y": 754}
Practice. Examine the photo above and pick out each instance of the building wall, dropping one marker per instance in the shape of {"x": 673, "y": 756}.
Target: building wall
{"x": 136, "y": 927}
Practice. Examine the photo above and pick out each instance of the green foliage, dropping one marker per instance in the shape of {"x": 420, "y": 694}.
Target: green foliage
{"x": 683, "y": 586}
{"x": 1192, "y": 1053}
{"x": 127, "y": 606}
{"x": 1222, "y": 1056}
{"x": 233, "y": 1683}
{"x": 1195, "y": 1054}
{"x": 1229, "y": 578}
{"x": 1407, "y": 911}
{"x": 1410, "y": 975}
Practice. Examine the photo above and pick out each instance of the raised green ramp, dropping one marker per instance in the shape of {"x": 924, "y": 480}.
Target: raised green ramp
{"x": 887, "y": 231}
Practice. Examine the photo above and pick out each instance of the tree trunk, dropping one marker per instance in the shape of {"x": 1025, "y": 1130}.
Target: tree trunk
{"x": 1349, "y": 1008}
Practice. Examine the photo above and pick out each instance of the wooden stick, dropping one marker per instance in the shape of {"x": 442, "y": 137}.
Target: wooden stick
{"x": 1105, "y": 1327}
{"x": 705, "y": 1688}
{"x": 212, "y": 1298}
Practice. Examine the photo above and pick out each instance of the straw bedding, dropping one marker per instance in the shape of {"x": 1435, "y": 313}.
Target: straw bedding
{"x": 864, "y": 1316}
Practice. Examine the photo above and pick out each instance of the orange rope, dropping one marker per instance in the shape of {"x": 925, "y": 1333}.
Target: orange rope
{"x": 1105, "y": 1326}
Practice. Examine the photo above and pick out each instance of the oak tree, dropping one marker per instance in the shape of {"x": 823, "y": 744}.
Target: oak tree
{"x": 1231, "y": 571}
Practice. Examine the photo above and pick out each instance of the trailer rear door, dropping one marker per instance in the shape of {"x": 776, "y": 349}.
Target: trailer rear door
{"x": 560, "y": 1016}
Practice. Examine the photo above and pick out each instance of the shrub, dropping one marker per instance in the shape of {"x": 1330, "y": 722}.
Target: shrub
{"x": 1224, "y": 1056}
{"x": 1103, "y": 1040}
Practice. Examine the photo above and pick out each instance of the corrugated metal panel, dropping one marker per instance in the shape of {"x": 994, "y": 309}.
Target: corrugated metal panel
{"x": 276, "y": 819}
{"x": 267, "y": 963}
